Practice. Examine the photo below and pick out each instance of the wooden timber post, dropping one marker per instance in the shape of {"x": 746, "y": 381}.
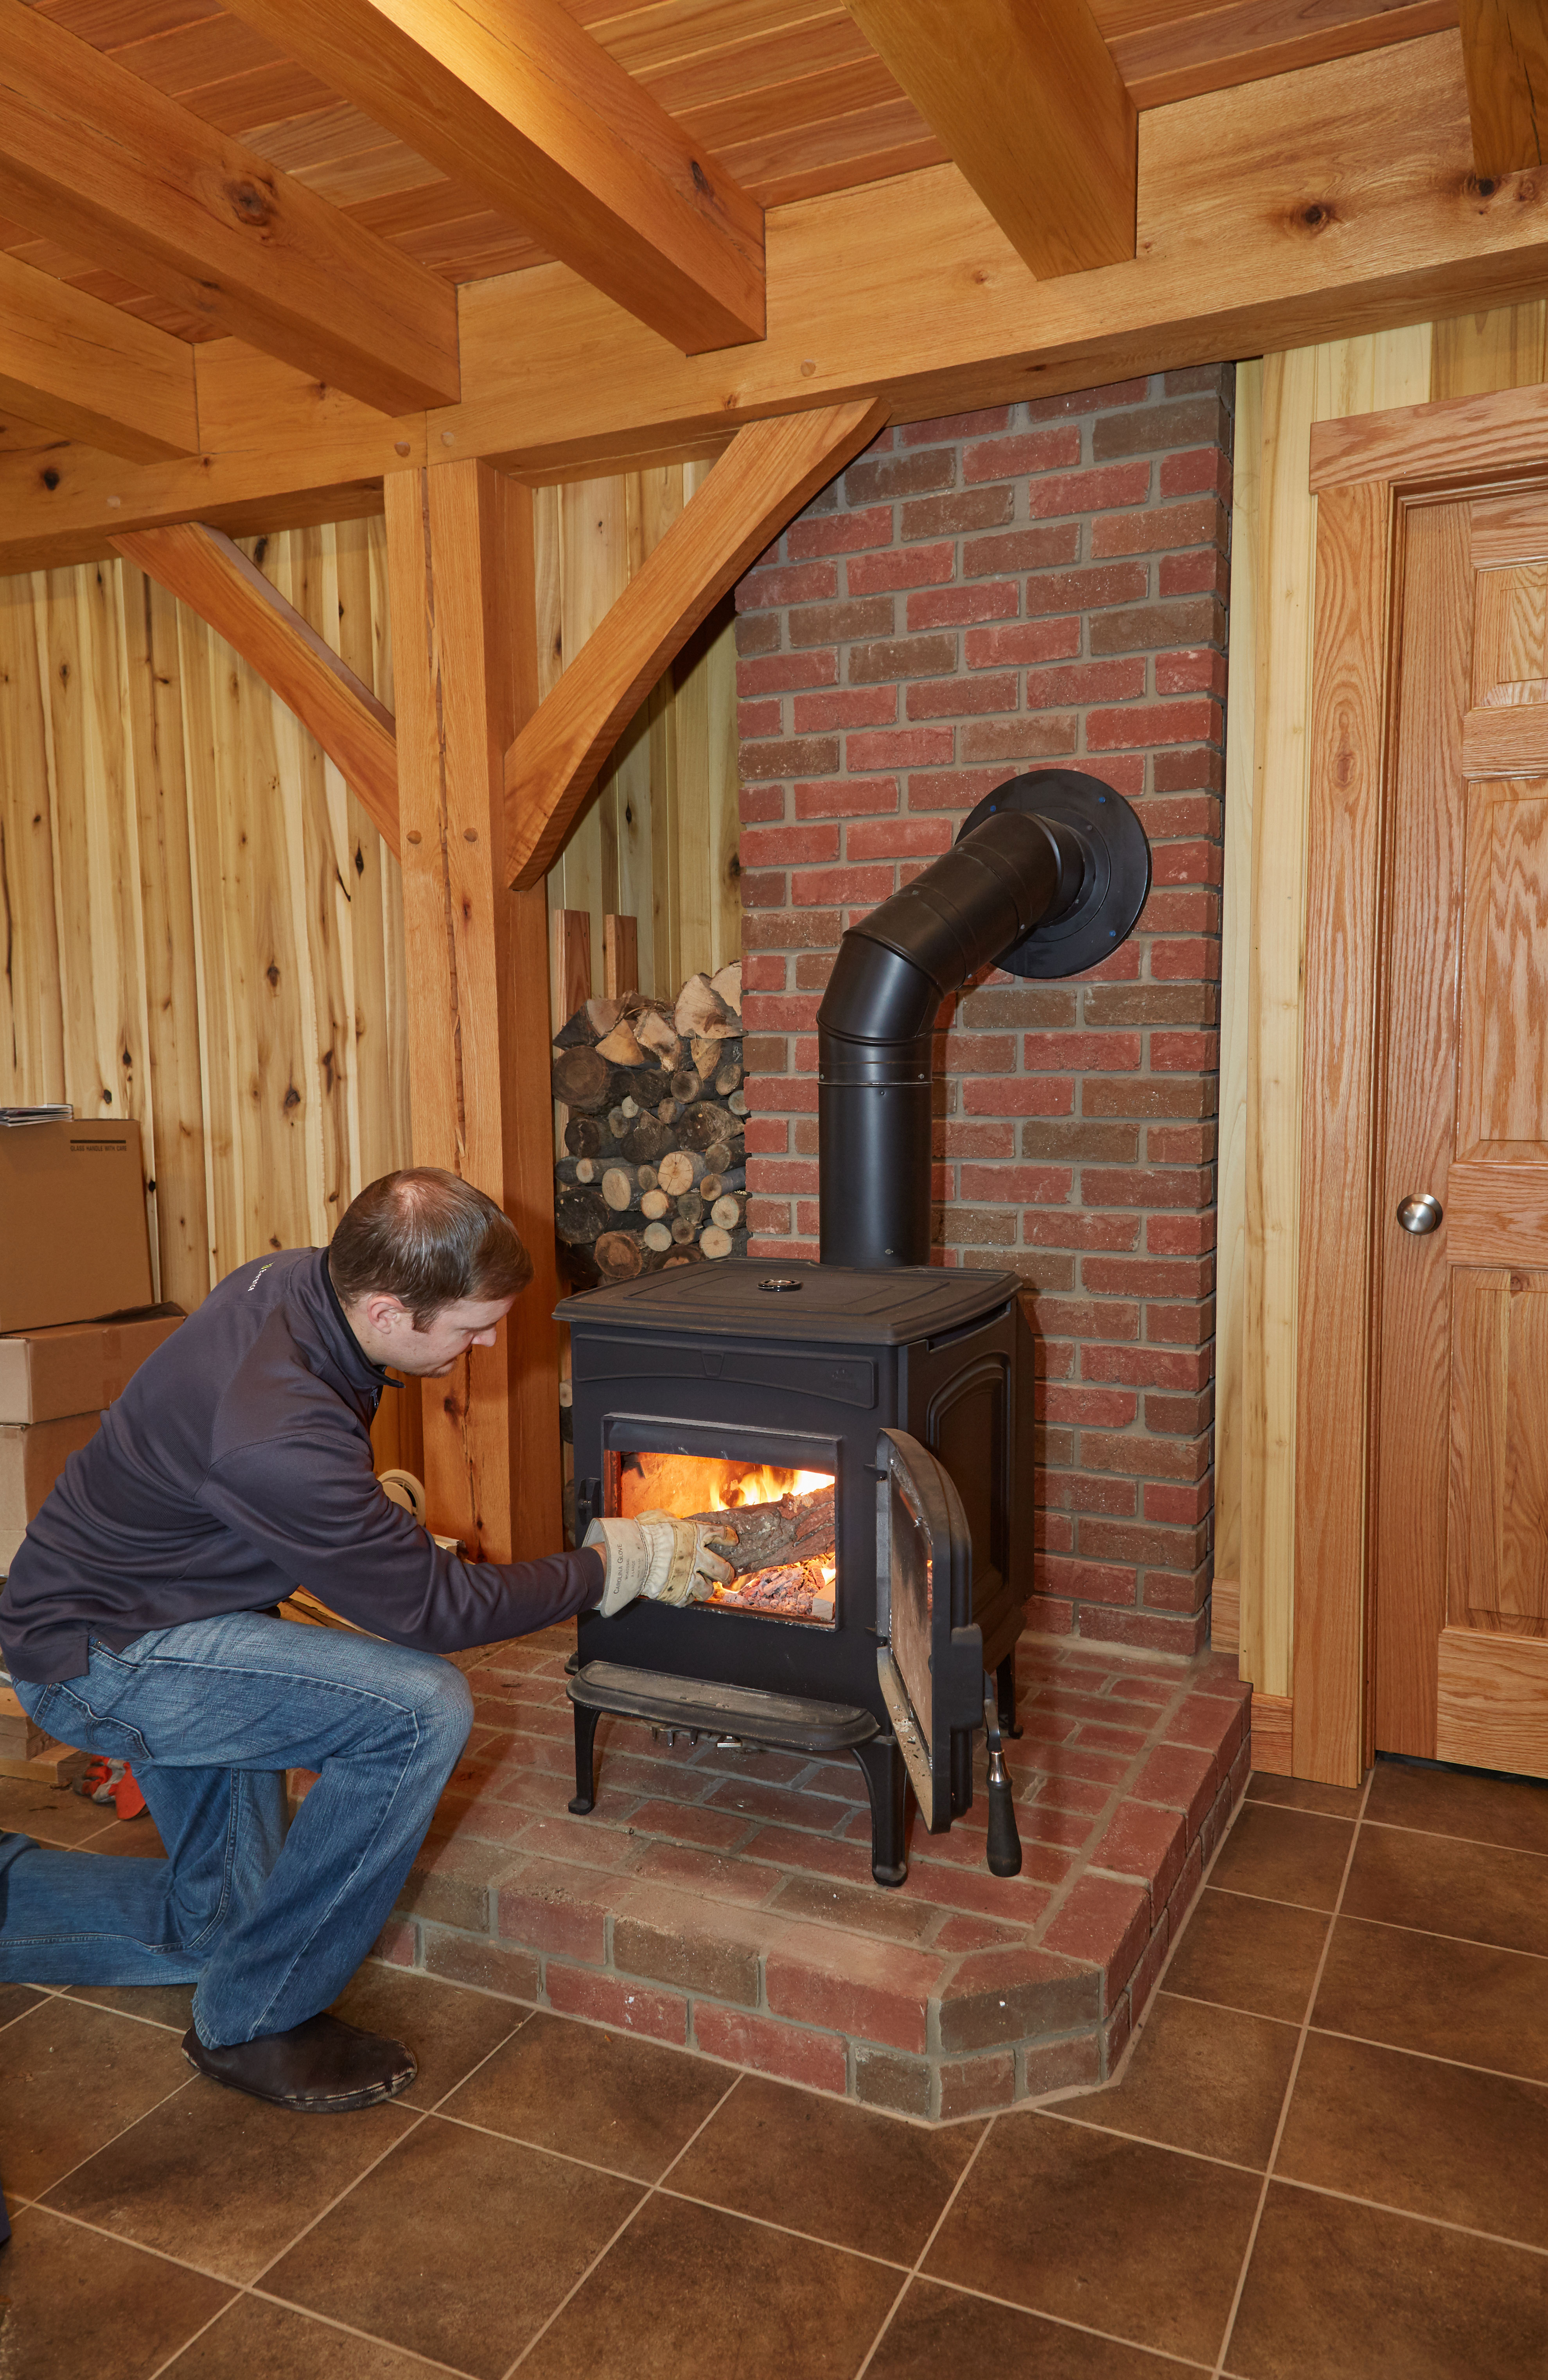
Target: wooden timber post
{"x": 460, "y": 586}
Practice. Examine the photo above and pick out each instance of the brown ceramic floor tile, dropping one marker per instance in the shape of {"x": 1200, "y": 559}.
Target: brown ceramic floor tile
{"x": 51, "y": 1813}
{"x": 1511, "y": 1811}
{"x": 937, "y": 2331}
{"x": 1449, "y": 1999}
{"x": 70, "y": 2078}
{"x": 862, "y": 2180}
{"x": 1283, "y": 1856}
{"x": 1425, "y": 2138}
{"x": 1301, "y": 1793}
{"x": 1258, "y": 1955}
{"x": 1207, "y": 2078}
{"x": 168, "y": 2004}
{"x": 702, "y": 2295}
{"x": 1132, "y": 2239}
{"x": 16, "y": 2000}
{"x": 222, "y": 2180}
{"x": 255, "y": 2341}
{"x": 449, "y": 2030}
{"x": 616, "y": 2101}
{"x": 80, "y": 2304}
{"x": 1336, "y": 2291}
{"x": 1472, "y": 1891}
{"x": 458, "y": 2246}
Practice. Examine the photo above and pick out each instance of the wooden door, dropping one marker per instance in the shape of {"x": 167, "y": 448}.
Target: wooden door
{"x": 1460, "y": 1517}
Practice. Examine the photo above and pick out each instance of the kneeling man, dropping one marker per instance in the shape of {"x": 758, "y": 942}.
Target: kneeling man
{"x": 137, "y": 1621}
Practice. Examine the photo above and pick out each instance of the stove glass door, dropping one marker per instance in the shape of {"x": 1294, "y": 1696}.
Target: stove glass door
{"x": 930, "y": 1657}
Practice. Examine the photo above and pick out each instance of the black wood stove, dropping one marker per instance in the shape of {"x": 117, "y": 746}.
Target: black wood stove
{"x": 868, "y": 1416}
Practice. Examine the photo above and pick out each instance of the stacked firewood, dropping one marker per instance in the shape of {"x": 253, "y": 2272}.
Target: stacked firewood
{"x": 655, "y": 1167}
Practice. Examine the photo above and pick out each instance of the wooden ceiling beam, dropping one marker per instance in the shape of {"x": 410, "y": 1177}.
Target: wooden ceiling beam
{"x": 215, "y": 579}
{"x": 96, "y": 158}
{"x": 767, "y": 472}
{"x": 1318, "y": 206}
{"x": 1504, "y": 52}
{"x": 515, "y": 100}
{"x": 80, "y": 369}
{"x": 1025, "y": 96}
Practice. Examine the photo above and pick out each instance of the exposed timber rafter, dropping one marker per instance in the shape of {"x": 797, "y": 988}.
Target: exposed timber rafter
{"x": 1505, "y": 49}
{"x": 1027, "y": 99}
{"x": 519, "y": 104}
{"x": 98, "y": 159}
{"x": 767, "y": 473}
{"x": 1328, "y": 203}
{"x": 80, "y": 369}
{"x": 215, "y": 579}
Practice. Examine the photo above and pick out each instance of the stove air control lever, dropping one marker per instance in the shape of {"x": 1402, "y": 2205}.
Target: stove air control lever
{"x": 1005, "y": 1843}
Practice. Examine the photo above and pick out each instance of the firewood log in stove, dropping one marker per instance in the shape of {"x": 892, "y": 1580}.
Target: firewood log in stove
{"x": 794, "y": 1529}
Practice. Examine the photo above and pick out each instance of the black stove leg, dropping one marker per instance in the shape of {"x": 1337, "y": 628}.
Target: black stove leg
{"x": 585, "y": 1776}
{"x": 887, "y": 1782}
{"x": 1005, "y": 1696}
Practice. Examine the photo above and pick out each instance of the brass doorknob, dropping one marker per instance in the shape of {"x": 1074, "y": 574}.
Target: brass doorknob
{"x": 1421, "y": 1212}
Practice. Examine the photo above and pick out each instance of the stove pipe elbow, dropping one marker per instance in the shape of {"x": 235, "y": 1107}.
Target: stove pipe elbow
{"x": 1012, "y": 873}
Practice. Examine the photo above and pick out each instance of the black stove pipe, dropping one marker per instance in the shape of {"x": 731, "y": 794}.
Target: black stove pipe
{"x": 875, "y": 1026}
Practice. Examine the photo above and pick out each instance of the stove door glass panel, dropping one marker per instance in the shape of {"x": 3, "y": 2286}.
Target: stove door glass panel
{"x": 931, "y": 1672}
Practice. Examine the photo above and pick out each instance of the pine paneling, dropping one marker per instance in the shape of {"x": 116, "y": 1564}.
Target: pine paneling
{"x": 201, "y": 928}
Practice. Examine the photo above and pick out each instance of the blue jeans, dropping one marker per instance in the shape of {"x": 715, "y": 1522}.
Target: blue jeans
{"x": 269, "y": 1923}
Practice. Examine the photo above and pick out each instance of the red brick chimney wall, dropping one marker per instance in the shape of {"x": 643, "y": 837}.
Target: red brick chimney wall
{"x": 1036, "y": 584}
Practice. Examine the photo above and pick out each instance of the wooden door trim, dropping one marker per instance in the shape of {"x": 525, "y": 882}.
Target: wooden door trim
{"x": 1365, "y": 471}
{"x": 1348, "y": 750}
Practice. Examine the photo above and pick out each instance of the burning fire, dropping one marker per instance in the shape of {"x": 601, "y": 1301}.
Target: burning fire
{"x": 765, "y": 1485}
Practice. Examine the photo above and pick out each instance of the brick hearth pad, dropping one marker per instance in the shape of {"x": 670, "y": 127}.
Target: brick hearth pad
{"x": 724, "y": 1899}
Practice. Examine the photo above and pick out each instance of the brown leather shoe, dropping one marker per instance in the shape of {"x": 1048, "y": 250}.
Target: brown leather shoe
{"x": 322, "y": 2067}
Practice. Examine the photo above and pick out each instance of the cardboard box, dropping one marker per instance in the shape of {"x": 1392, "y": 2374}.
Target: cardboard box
{"x": 73, "y": 1239}
{"x": 77, "y": 1366}
{"x": 31, "y": 1461}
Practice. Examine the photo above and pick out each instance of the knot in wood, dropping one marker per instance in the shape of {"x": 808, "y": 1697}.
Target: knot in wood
{"x": 251, "y": 202}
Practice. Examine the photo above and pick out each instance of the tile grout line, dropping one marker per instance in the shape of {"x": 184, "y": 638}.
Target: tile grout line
{"x": 913, "y": 2274}
{"x": 648, "y": 2192}
{"x": 1062, "y": 2321}
{"x": 1235, "y": 2306}
{"x": 251, "y": 2287}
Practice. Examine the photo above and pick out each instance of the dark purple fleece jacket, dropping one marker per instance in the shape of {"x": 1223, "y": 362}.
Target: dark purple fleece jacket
{"x": 237, "y": 1465}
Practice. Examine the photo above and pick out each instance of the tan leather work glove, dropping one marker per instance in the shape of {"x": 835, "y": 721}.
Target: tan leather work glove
{"x": 658, "y": 1556}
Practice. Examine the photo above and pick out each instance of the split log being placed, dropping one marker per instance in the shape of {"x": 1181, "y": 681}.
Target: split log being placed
{"x": 620, "y": 1047}
{"x": 797, "y": 1528}
{"x": 708, "y": 1058}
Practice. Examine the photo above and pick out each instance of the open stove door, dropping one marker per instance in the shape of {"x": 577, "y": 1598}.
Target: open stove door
{"x": 930, "y": 1656}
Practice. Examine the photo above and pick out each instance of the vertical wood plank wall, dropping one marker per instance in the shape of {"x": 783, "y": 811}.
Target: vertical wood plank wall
{"x": 200, "y": 929}
{"x": 1264, "y": 920}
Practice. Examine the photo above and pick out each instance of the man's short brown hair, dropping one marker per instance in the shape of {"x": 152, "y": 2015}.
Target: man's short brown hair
{"x": 426, "y": 1238}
